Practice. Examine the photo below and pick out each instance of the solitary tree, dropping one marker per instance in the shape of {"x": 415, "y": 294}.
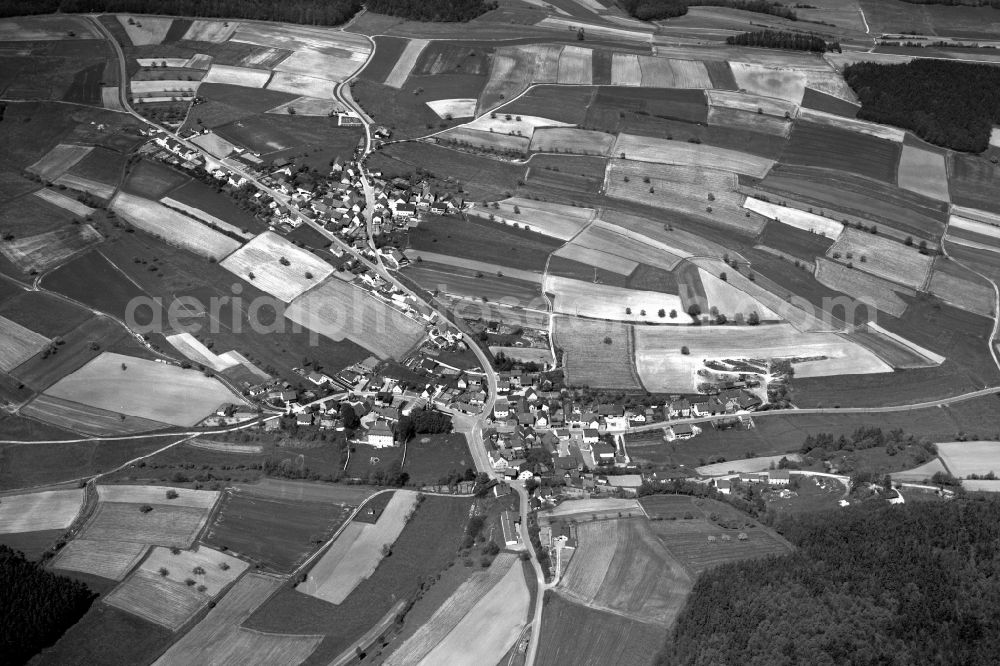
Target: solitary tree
{"x": 685, "y": 350}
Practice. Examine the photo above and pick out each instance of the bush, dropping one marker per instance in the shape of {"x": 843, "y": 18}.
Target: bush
{"x": 171, "y": 494}
{"x": 145, "y": 508}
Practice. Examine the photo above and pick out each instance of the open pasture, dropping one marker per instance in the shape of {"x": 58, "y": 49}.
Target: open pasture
{"x": 884, "y": 257}
{"x": 675, "y": 241}
{"x": 404, "y": 65}
{"x": 152, "y": 179}
{"x": 485, "y": 241}
{"x": 521, "y": 125}
{"x": 725, "y": 296}
{"x": 76, "y": 417}
{"x": 107, "y": 559}
{"x": 18, "y": 344}
{"x": 663, "y": 151}
{"x": 59, "y": 160}
{"x": 867, "y": 288}
{"x": 562, "y": 103}
{"x": 163, "y": 88}
{"x": 78, "y": 342}
{"x": 965, "y": 458}
{"x": 194, "y": 350}
{"x": 783, "y": 83}
{"x": 175, "y": 228}
{"x": 341, "y": 310}
{"x": 575, "y": 634}
{"x": 596, "y": 353}
{"x": 816, "y": 145}
{"x": 215, "y": 32}
{"x": 673, "y": 73}
{"x": 688, "y": 541}
{"x": 571, "y": 140}
{"x": 247, "y": 77}
{"x": 260, "y": 262}
{"x": 158, "y": 599}
{"x": 474, "y": 264}
{"x": 143, "y": 388}
{"x": 924, "y": 172}
{"x": 165, "y": 525}
{"x": 588, "y": 299}
{"x": 356, "y": 553}
{"x": 34, "y": 512}
{"x": 793, "y": 217}
{"x": 465, "y": 283}
{"x": 756, "y": 104}
{"x": 746, "y": 465}
{"x": 551, "y": 219}
{"x": 64, "y": 202}
{"x": 453, "y": 108}
{"x": 515, "y": 67}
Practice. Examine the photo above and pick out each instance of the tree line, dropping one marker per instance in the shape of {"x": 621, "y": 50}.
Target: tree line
{"x": 950, "y": 104}
{"x": 653, "y": 10}
{"x": 432, "y": 10}
{"x": 781, "y": 39}
{"x": 909, "y": 584}
{"x": 995, "y": 4}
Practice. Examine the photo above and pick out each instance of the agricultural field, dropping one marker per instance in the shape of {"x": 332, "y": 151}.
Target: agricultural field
{"x": 883, "y": 257}
{"x": 165, "y": 525}
{"x": 632, "y": 247}
{"x": 454, "y": 108}
{"x": 965, "y": 458}
{"x": 59, "y": 160}
{"x": 596, "y": 353}
{"x": 784, "y": 83}
{"x": 963, "y": 289}
{"x": 468, "y": 264}
{"x": 157, "y": 599}
{"x": 515, "y": 67}
{"x": 551, "y": 219}
{"x": 175, "y": 228}
{"x": 793, "y": 217}
{"x": 50, "y": 248}
{"x": 466, "y": 283}
{"x": 485, "y": 241}
{"x": 246, "y": 77}
{"x": 852, "y": 124}
{"x": 815, "y": 145}
{"x": 260, "y": 262}
{"x": 152, "y": 179}
{"x": 77, "y": 417}
{"x": 661, "y": 151}
{"x": 570, "y": 140}
{"x": 881, "y": 294}
{"x": 108, "y": 559}
{"x": 18, "y": 344}
{"x": 924, "y": 172}
{"x": 220, "y": 569}
{"x": 489, "y": 141}
{"x": 582, "y": 298}
{"x": 66, "y": 203}
{"x": 404, "y": 64}
{"x": 35, "y": 512}
{"x": 593, "y": 509}
{"x": 970, "y": 178}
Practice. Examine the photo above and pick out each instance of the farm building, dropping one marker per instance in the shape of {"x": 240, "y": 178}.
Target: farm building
{"x": 680, "y": 431}
{"x": 509, "y": 523}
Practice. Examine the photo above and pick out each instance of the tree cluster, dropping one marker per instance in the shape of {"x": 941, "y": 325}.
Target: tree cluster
{"x": 425, "y": 421}
{"x": 781, "y": 39}
{"x": 432, "y": 10}
{"x": 654, "y": 10}
{"x": 947, "y": 103}
{"x": 309, "y": 12}
{"x": 910, "y": 584}
{"x": 36, "y": 606}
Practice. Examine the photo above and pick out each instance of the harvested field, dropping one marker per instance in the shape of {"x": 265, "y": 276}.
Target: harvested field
{"x": 107, "y": 559}
{"x": 876, "y": 292}
{"x": 965, "y": 458}
{"x": 341, "y": 310}
{"x": 18, "y": 344}
{"x": 853, "y": 125}
{"x": 596, "y": 258}
{"x": 671, "y": 73}
{"x": 145, "y": 30}
{"x": 609, "y": 239}
{"x": 330, "y": 41}
{"x": 34, "y": 512}
{"x": 787, "y": 84}
{"x": 263, "y": 58}
{"x": 356, "y": 553}
{"x": 82, "y": 184}
{"x": 625, "y": 70}
{"x": 924, "y": 172}
{"x": 216, "y": 32}
{"x": 59, "y": 160}
{"x": 143, "y": 388}
{"x": 883, "y": 257}
{"x": 663, "y": 151}
{"x": 164, "y": 526}
{"x": 300, "y": 84}
{"x": 515, "y": 67}
{"x": 332, "y": 68}
{"x": 454, "y": 108}
{"x": 155, "y": 598}
{"x": 591, "y": 361}
{"x": 404, "y": 65}
{"x": 551, "y": 219}
{"x": 64, "y": 202}
{"x": 588, "y": 299}
{"x": 832, "y": 148}
{"x": 487, "y": 140}
{"x": 259, "y": 262}
{"x": 77, "y": 417}
{"x": 575, "y": 66}
{"x": 42, "y": 251}
{"x": 570, "y": 140}
{"x": 793, "y": 217}
{"x": 575, "y": 634}
{"x": 175, "y": 228}
{"x": 197, "y": 499}
{"x": 219, "y": 639}
{"x": 237, "y": 76}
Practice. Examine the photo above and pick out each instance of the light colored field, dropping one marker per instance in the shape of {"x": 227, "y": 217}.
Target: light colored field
{"x": 783, "y": 83}
{"x": 975, "y": 226}
{"x": 587, "y": 299}
{"x": 200, "y": 61}
{"x": 215, "y": 32}
{"x": 162, "y": 62}
{"x": 214, "y": 144}
{"x": 18, "y": 344}
{"x": 261, "y": 258}
{"x": 852, "y": 124}
{"x": 338, "y": 309}
{"x": 474, "y": 264}
{"x": 742, "y": 101}
{"x": 218, "y": 639}
{"x": 749, "y": 121}
{"x": 596, "y": 353}
{"x": 107, "y": 559}
{"x": 551, "y": 219}
{"x": 625, "y": 70}
{"x": 163, "y": 526}
{"x": 145, "y": 30}
{"x": 831, "y": 83}
{"x": 965, "y": 458}
{"x": 407, "y": 59}
{"x": 918, "y": 474}
{"x": 867, "y": 288}
{"x": 515, "y": 67}
{"x": 332, "y": 67}
{"x": 237, "y": 76}
{"x": 598, "y": 30}
{"x": 306, "y": 491}
{"x": 356, "y": 553}
{"x": 794, "y": 217}
{"x": 597, "y": 543}
{"x": 330, "y": 41}
{"x": 196, "y": 499}
{"x": 490, "y": 629}
{"x": 110, "y": 99}
{"x": 182, "y": 565}
{"x": 147, "y": 389}
{"x": 164, "y": 88}
{"x": 976, "y": 214}
{"x": 610, "y": 239}
{"x": 85, "y": 419}
{"x": 598, "y": 258}
{"x": 575, "y": 66}
{"x": 173, "y": 227}
{"x": 64, "y": 202}
{"x": 981, "y": 485}
{"x": 81, "y": 184}
{"x": 587, "y": 507}
{"x": 663, "y": 151}
{"x": 995, "y": 137}
{"x": 725, "y": 297}
{"x": 263, "y": 57}
{"x": 672, "y": 73}
{"x": 488, "y": 140}
{"x": 570, "y": 140}
{"x": 47, "y": 249}
{"x": 45, "y": 28}
{"x": 34, "y": 512}
{"x": 924, "y": 172}
{"x": 59, "y": 160}
{"x": 236, "y": 357}
{"x": 746, "y": 465}
{"x": 195, "y": 351}
{"x": 884, "y": 257}
{"x": 451, "y": 612}
{"x": 520, "y": 125}
{"x": 202, "y": 215}
{"x": 970, "y": 295}
{"x": 300, "y": 84}
{"x": 454, "y": 108}
{"x": 155, "y": 598}
{"x": 225, "y": 447}
{"x": 936, "y": 359}
{"x": 310, "y": 106}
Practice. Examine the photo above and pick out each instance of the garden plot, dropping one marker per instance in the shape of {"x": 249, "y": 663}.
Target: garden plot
{"x": 663, "y": 151}
{"x": 155, "y": 598}
{"x": 965, "y": 458}
{"x": 163, "y": 526}
{"x": 853, "y": 125}
{"x": 300, "y": 84}
{"x": 924, "y": 172}
{"x": 356, "y": 553}
{"x": 588, "y": 299}
{"x": 260, "y": 262}
{"x": 219, "y": 639}
{"x": 143, "y": 388}
{"x": 173, "y": 227}
{"x": 633, "y": 246}
{"x": 215, "y": 32}
{"x": 571, "y": 140}
{"x": 453, "y": 108}
{"x": 59, "y": 160}
{"x": 107, "y": 559}
{"x": 782, "y": 83}
{"x": 487, "y": 140}
{"x": 35, "y": 512}
{"x": 755, "y": 104}
{"x": 18, "y": 344}
{"x": 672, "y": 73}
{"x": 213, "y": 144}
{"x": 310, "y": 106}
{"x": 232, "y": 229}
{"x": 793, "y": 217}
{"x": 516, "y": 67}
{"x": 597, "y": 258}
{"x": 195, "y": 351}
{"x": 64, "y": 202}
{"x": 596, "y": 353}
{"x": 404, "y": 65}
{"x": 339, "y": 310}
{"x": 506, "y": 123}
{"x": 870, "y": 290}
{"x": 145, "y": 30}
{"x": 237, "y": 76}
{"x": 551, "y": 219}
{"x": 164, "y": 88}
{"x": 625, "y": 70}
{"x": 88, "y": 185}
{"x": 575, "y": 66}
{"x": 883, "y": 257}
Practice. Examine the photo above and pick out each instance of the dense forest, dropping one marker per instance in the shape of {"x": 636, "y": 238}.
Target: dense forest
{"x": 36, "y": 606}
{"x": 950, "y": 104}
{"x": 432, "y": 10}
{"x": 780, "y": 39}
{"x": 653, "y": 10}
{"x": 910, "y": 584}
{"x": 310, "y": 12}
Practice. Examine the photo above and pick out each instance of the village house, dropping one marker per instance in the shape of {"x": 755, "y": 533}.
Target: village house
{"x": 379, "y": 435}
